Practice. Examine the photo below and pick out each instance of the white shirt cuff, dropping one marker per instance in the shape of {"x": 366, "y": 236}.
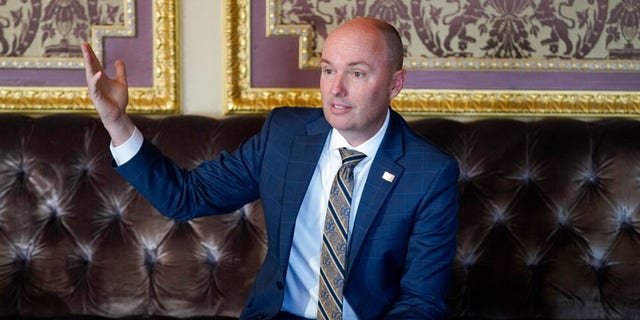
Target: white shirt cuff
{"x": 124, "y": 152}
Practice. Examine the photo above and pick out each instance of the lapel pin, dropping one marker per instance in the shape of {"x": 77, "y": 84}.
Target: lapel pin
{"x": 388, "y": 176}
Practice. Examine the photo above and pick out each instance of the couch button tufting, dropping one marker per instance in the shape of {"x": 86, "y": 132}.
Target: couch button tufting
{"x": 72, "y": 230}
{"x": 548, "y": 221}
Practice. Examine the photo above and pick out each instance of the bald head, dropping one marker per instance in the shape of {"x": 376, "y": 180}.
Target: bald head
{"x": 361, "y": 73}
{"x": 389, "y": 34}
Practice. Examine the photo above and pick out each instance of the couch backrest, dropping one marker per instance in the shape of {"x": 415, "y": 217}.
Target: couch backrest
{"x": 549, "y": 217}
{"x": 76, "y": 239}
{"x": 549, "y": 213}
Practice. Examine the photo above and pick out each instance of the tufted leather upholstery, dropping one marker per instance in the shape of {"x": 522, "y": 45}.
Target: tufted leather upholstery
{"x": 76, "y": 239}
{"x": 549, "y": 213}
{"x": 548, "y": 218}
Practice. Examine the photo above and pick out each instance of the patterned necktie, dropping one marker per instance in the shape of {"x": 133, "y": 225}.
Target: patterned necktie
{"x": 334, "y": 238}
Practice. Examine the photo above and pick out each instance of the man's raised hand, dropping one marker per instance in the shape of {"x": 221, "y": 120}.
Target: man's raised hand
{"x": 110, "y": 96}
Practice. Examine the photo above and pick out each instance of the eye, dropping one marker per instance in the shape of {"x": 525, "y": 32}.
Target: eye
{"x": 327, "y": 70}
{"x": 358, "y": 74}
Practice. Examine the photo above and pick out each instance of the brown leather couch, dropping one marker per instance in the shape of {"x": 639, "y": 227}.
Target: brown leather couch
{"x": 549, "y": 221}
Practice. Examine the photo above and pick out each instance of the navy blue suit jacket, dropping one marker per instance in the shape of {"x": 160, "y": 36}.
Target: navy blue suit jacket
{"x": 404, "y": 236}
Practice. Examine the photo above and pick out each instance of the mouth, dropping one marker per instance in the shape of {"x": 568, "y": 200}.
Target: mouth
{"x": 338, "y": 106}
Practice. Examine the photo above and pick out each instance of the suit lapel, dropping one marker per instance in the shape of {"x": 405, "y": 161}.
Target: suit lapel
{"x": 305, "y": 152}
{"x": 379, "y": 184}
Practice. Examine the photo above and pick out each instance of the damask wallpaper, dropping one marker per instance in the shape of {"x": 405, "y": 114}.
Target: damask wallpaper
{"x": 55, "y": 29}
{"x": 41, "y": 67}
{"x": 526, "y": 33}
{"x": 508, "y": 57}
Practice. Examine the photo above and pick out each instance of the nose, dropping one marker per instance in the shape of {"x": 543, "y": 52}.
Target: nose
{"x": 338, "y": 88}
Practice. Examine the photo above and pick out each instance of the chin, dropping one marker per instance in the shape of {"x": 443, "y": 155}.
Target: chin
{"x": 336, "y": 121}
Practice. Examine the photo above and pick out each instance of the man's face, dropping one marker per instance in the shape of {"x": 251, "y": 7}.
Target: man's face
{"x": 357, "y": 82}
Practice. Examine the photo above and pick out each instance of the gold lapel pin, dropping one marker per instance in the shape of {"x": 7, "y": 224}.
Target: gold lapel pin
{"x": 388, "y": 176}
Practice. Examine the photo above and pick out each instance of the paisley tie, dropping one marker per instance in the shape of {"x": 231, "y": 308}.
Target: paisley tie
{"x": 335, "y": 236}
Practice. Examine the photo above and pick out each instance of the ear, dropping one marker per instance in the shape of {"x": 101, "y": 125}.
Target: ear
{"x": 397, "y": 82}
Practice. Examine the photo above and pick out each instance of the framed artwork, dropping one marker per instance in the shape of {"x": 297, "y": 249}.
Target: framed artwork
{"x": 41, "y": 66}
{"x": 464, "y": 57}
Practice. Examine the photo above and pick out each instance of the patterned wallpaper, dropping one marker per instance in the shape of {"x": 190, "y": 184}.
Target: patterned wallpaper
{"x": 526, "y": 32}
{"x": 41, "y": 66}
{"x": 33, "y": 31}
{"x": 471, "y": 57}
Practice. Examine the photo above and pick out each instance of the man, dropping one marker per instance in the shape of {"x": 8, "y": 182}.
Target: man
{"x": 398, "y": 223}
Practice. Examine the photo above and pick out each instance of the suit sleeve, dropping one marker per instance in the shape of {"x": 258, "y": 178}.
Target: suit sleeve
{"x": 431, "y": 249}
{"x": 214, "y": 187}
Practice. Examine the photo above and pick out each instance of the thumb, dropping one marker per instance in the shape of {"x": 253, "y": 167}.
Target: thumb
{"x": 121, "y": 72}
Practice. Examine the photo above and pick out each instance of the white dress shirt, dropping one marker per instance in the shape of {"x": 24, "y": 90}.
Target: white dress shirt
{"x": 124, "y": 152}
{"x": 302, "y": 279}
{"x": 303, "y": 271}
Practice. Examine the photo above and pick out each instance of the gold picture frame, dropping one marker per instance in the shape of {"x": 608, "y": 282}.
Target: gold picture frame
{"x": 162, "y": 96}
{"x": 242, "y": 97}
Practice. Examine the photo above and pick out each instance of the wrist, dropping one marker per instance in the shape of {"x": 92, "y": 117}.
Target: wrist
{"x": 119, "y": 130}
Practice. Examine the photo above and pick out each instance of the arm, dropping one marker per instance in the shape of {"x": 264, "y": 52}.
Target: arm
{"x": 432, "y": 247}
{"x": 175, "y": 192}
{"x": 109, "y": 96}
{"x": 219, "y": 186}
{"x": 216, "y": 186}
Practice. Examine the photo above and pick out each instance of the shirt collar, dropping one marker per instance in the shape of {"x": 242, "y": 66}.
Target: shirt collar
{"x": 369, "y": 147}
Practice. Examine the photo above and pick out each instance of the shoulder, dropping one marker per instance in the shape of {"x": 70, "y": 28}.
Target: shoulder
{"x": 417, "y": 146}
{"x": 296, "y": 121}
{"x": 295, "y": 114}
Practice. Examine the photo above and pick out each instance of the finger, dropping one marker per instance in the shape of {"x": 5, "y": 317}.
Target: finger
{"x": 121, "y": 72}
{"x": 92, "y": 65}
{"x": 92, "y": 83}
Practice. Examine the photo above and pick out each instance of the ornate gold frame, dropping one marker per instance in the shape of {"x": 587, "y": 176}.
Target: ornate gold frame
{"x": 241, "y": 97}
{"x": 161, "y": 97}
